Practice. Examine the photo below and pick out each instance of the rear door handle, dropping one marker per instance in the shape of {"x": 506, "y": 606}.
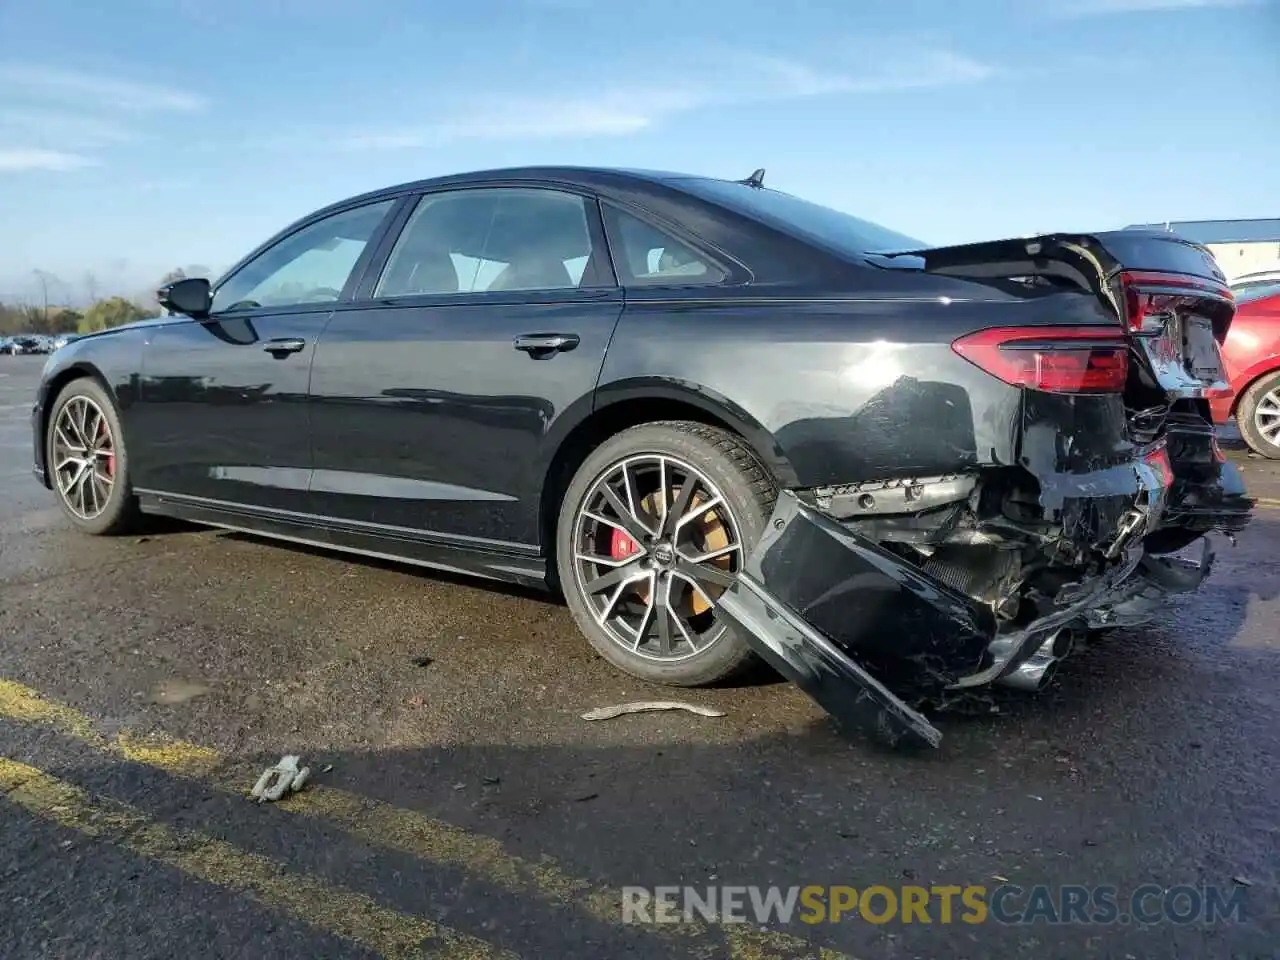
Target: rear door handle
{"x": 285, "y": 345}
{"x": 536, "y": 344}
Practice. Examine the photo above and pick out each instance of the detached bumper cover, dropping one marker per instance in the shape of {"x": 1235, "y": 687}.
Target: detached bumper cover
{"x": 867, "y": 634}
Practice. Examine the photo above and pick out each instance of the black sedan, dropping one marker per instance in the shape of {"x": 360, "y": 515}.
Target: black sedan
{"x": 723, "y": 421}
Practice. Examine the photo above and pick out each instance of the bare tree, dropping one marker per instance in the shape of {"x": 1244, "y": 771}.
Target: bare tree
{"x": 91, "y": 287}
{"x": 43, "y": 277}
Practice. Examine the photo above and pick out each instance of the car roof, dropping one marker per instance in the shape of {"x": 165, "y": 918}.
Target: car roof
{"x": 590, "y": 178}
{"x": 586, "y": 176}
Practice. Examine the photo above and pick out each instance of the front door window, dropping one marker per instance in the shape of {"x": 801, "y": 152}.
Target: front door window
{"x": 311, "y": 265}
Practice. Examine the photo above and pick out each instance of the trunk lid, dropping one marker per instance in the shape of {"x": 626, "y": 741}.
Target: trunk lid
{"x": 1167, "y": 293}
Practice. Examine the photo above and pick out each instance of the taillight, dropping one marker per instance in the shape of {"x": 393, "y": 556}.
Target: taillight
{"x": 1052, "y": 359}
{"x": 1156, "y": 295}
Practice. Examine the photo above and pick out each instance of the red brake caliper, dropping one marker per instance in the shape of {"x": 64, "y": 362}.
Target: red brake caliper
{"x": 621, "y": 546}
{"x": 111, "y": 457}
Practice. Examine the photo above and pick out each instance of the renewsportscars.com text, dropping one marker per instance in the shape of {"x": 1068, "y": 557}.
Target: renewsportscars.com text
{"x": 973, "y": 904}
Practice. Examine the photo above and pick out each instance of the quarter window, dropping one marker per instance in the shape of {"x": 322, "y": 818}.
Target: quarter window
{"x": 311, "y": 265}
{"x": 648, "y": 255}
{"x": 491, "y": 240}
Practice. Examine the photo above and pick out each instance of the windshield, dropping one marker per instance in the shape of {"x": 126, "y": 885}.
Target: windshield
{"x": 1256, "y": 290}
{"x": 831, "y": 228}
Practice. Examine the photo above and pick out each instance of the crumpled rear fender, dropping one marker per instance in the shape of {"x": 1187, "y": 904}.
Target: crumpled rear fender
{"x": 870, "y": 636}
{"x": 825, "y": 607}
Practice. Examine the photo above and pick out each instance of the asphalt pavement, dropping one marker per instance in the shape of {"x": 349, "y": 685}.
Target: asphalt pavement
{"x": 460, "y": 807}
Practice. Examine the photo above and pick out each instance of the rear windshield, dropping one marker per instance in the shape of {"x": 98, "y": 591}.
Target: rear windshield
{"x": 1256, "y": 290}
{"x": 829, "y": 227}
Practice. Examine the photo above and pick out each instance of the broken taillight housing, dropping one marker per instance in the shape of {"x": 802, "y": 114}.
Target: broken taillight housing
{"x": 1052, "y": 359}
{"x": 1155, "y": 295}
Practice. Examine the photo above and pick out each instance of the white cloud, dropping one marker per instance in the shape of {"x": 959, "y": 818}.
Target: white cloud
{"x": 1090, "y": 8}
{"x": 22, "y": 159}
{"x": 61, "y": 116}
{"x": 71, "y": 130}
{"x": 89, "y": 90}
{"x": 627, "y": 108}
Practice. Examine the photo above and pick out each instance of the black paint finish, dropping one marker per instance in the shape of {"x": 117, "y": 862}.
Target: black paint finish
{"x": 427, "y": 415}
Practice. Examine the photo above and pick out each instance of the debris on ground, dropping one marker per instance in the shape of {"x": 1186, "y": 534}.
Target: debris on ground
{"x": 423, "y": 660}
{"x": 646, "y": 706}
{"x": 290, "y": 778}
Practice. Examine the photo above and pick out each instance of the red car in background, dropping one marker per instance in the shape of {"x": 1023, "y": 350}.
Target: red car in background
{"x": 1252, "y": 356}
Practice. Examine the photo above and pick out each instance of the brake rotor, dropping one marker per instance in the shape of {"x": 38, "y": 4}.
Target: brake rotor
{"x": 711, "y": 529}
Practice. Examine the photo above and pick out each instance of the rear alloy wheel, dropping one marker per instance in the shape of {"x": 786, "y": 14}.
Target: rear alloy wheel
{"x": 1259, "y": 417}
{"x": 85, "y": 459}
{"x": 654, "y": 528}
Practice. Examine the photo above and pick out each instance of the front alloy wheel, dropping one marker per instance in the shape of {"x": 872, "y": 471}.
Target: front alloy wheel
{"x": 84, "y": 458}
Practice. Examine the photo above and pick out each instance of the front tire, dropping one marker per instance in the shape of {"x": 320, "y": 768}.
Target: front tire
{"x": 1259, "y": 417}
{"x": 86, "y": 460}
{"x": 654, "y": 526}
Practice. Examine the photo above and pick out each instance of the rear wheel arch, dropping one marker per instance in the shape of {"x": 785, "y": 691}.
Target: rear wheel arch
{"x": 1252, "y": 382}
{"x": 1247, "y": 403}
{"x": 612, "y": 418}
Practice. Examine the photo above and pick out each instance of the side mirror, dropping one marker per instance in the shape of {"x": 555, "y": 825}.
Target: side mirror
{"x": 190, "y": 297}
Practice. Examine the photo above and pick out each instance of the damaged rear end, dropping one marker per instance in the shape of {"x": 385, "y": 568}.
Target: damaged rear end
{"x": 884, "y": 596}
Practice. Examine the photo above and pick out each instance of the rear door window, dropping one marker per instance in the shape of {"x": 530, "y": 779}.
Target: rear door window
{"x": 492, "y": 240}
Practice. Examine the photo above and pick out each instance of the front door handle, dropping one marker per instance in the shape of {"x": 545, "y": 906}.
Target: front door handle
{"x": 544, "y": 344}
{"x": 284, "y": 346}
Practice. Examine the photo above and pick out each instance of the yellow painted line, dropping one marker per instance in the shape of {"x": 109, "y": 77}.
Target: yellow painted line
{"x": 24, "y": 704}
{"x": 343, "y": 913}
{"x": 1267, "y": 501}
{"x": 395, "y": 828}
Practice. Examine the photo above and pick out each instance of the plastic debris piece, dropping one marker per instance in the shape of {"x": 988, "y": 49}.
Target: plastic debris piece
{"x": 289, "y": 775}
{"x": 647, "y": 706}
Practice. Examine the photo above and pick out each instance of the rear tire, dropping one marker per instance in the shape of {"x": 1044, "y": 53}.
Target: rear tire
{"x": 87, "y": 463}
{"x": 626, "y": 628}
{"x": 1259, "y": 416}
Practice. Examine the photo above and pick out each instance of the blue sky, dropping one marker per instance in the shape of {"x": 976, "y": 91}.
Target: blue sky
{"x": 138, "y": 135}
